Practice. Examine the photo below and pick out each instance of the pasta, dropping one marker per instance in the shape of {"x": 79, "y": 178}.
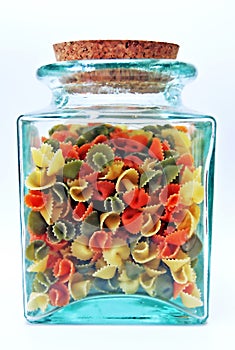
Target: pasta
{"x": 113, "y": 210}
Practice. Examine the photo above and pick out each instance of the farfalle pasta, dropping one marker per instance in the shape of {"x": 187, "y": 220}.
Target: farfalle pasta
{"x": 114, "y": 211}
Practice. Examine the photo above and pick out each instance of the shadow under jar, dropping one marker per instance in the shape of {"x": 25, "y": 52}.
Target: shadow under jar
{"x": 116, "y": 187}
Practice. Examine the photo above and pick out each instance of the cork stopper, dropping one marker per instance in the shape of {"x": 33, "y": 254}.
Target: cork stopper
{"x": 107, "y": 49}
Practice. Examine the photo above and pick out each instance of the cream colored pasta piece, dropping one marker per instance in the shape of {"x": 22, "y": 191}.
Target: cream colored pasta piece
{"x": 56, "y": 164}
{"x": 127, "y": 285}
{"x": 192, "y": 300}
{"x": 38, "y": 301}
{"x": 127, "y": 180}
{"x": 117, "y": 253}
{"x": 100, "y": 263}
{"x": 39, "y": 180}
{"x": 150, "y": 226}
{"x": 42, "y": 156}
{"x": 180, "y": 276}
{"x": 105, "y": 272}
{"x": 191, "y": 192}
{"x": 80, "y": 248}
{"x": 114, "y": 170}
{"x": 82, "y": 192}
{"x": 152, "y": 268}
{"x": 148, "y": 284}
{"x": 51, "y": 212}
{"x": 110, "y": 220}
{"x": 78, "y": 287}
{"x": 148, "y": 164}
{"x": 144, "y": 252}
{"x": 38, "y": 266}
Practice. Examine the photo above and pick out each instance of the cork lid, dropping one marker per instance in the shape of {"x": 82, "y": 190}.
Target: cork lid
{"x": 107, "y": 49}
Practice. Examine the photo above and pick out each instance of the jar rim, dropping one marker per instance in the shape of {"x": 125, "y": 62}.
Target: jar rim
{"x": 171, "y": 67}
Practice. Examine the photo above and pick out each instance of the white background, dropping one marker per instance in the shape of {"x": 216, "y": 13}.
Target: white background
{"x": 205, "y": 31}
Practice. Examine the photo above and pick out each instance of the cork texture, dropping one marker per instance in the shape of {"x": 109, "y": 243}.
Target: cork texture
{"x": 108, "y": 49}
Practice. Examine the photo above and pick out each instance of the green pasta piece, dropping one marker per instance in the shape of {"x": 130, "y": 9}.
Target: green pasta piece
{"x": 58, "y": 127}
{"x": 164, "y": 286}
{"x": 53, "y": 143}
{"x": 36, "y": 223}
{"x": 71, "y": 169}
{"x": 171, "y": 172}
{"x": 133, "y": 270}
{"x": 192, "y": 247}
{"x": 106, "y": 286}
{"x": 114, "y": 204}
{"x": 61, "y": 230}
{"x": 60, "y": 192}
{"x": 93, "y": 158}
{"x": 36, "y": 250}
{"x": 90, "y": 224}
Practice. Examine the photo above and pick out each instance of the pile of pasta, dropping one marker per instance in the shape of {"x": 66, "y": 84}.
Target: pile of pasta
{"x": 113, "y": 210}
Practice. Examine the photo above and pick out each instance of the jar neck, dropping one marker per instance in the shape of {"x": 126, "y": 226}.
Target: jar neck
{"x": 127, "y": 82}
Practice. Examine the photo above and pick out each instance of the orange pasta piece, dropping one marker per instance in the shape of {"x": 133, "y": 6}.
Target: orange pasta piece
{"x": 36, "y": 200}
{"x": 178, "y": 237}
{"x": 99, "y": 139}
{"x": 63, "y": 269}
{"x": 156, "y": 149}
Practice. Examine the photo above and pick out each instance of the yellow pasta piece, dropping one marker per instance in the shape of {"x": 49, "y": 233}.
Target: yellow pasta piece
{"x": 152, "y": 268}
{"x": 114, "y": 170}
{"x": 38, "y": 301}
{"x": 191, "y": 192}
{"x": 188, "y": 222}
{"x": 110, "y": 220}
{"x": 144, "y": 252}
{"x": 128, "y": 285}
{"x": 80, "y": 190}
{"x": 78, "y": 287}
{"x": 127, "y": 180}
{"x": 105, "y": 272}
{"x": 176, "y": 264}
{"x": 117, "y": 253}
{"x": 39, "y": 180}
{"x": 80, "y": 248}
{"x": 38, "y": 266}
{"x": 43, "y": 155}
{"x": 56, "y": 163}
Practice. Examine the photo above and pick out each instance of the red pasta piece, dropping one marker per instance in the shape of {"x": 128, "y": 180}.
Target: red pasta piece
{"x": 100, "y": 240}
{"x": 169, "y": 250}
{"x": 85, "y": 170}
{"x": 168, "y": 191}
{"x": 36, "y": 200}
{"x": 83, "y": 150}
{"x": 59, "y": 294}
{"x": 99, "y": 139}
{"x": 172, "y": 202}
{"x": 119, "y": 133}
{"x": 66, "y": 148}
{"x": 165, "y": 145}
{"x": 132, "y": 220}
{"x": 55, "y": 246}
{"x": 79, "y": 211}
{"x": 103, "y": 190}
{"x": 132, "y": 145}
{"x": 178, "y": 237}
{"x": 156, "y": 149}
{"x": 136, "y": 198}
{"x": 134, "y": 161}
{"x": 189, "y": 288}
{"x": 63, "y": 269}
{"x": 52, "y": 258}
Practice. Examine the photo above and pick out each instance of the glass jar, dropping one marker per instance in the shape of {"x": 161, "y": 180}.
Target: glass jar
{"x": 116, "y": 190}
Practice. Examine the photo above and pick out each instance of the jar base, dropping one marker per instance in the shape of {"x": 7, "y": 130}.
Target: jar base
{"x": 119, "y": 310}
